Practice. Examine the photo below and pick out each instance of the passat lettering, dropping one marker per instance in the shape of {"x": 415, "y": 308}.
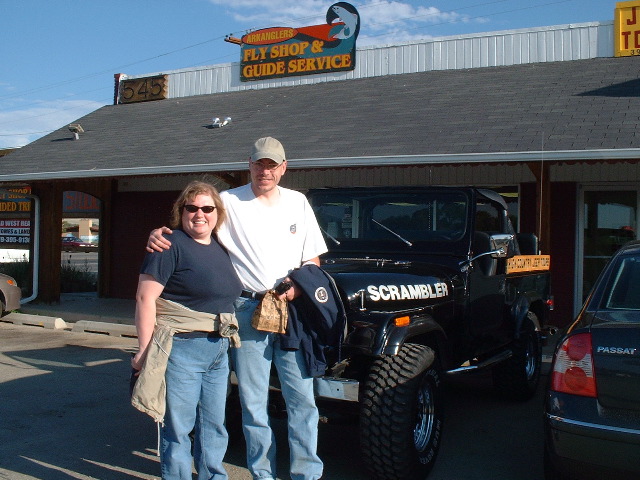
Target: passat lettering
{"x": 617, "y": 350}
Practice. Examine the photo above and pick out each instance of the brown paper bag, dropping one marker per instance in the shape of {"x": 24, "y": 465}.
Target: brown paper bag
{"x": 271, "y": 314}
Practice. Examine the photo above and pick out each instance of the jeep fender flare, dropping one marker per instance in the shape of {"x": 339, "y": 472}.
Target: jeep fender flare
{"x": 396, "y": 336}
{"x": 519, "y": 311}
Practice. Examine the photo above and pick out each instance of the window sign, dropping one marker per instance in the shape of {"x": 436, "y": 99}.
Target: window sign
{"x": 15, "y": 222}
{"x": 79, "y": 204}
{"x": 15, "y": 203}
{"x": 627, "y": 28}
{"x": 284, "y": 51}
{"x": 15, "y": 231}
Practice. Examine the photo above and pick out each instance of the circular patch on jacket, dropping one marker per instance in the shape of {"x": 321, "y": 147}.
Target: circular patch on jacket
{"x": 321, "y": 295}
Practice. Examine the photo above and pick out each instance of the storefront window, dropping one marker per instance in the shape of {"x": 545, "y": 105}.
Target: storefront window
{"x": 80, "y": 232}
{"x": 609, "y": 222}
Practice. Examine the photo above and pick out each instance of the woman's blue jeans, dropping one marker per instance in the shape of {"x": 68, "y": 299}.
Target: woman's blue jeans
{"x": 252, "y": 364}
{"x": 197, "y": 381}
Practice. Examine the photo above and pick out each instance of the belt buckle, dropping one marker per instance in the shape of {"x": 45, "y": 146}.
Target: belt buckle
{"x": 251, "y": 295}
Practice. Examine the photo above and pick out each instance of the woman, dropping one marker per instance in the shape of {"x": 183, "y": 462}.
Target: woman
{"x": 185, "y": 321}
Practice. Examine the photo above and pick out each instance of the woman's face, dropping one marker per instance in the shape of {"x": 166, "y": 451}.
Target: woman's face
{"x": 199, "y": 225}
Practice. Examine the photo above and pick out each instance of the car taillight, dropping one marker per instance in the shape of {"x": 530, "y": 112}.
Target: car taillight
{"x": 573, "y": 367}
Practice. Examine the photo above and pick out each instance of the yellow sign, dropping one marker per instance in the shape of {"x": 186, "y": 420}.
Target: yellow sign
{"x": 15, "y": 224}
{"x": 12, "y": 203}
{"x": 627, "y": 29}
{"x": 528, "y": 263}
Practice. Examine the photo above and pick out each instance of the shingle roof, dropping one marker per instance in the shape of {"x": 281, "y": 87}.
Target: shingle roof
{"x": 573, "y": 105}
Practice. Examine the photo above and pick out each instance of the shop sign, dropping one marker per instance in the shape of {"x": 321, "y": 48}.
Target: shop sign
{"x": 79, "y": 203}
{"x": 627, "y": 28}
{"x": 15, "y": 224}
{"x": 283, "y": 52}
{"x": 15, "y": 231}
{"x": 15, "y": 203}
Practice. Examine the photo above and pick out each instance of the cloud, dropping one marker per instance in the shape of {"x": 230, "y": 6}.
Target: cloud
{"x": 268, "y": 13}
{"x": 22, "y": 125}
{"x": 396, "y": 22}
{"x": 382, "y": 21}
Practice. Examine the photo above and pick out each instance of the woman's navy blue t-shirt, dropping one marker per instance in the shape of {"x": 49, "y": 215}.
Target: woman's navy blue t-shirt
{"x": 197, "y": 276}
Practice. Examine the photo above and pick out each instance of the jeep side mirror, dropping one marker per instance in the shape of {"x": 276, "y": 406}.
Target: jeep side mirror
{"x": 502, "y": 245}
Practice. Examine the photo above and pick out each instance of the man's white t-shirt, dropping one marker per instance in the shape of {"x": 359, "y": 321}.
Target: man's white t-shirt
{"x": 266, "y": 242}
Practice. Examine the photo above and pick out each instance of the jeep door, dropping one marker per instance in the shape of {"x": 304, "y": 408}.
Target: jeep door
{"x": 487, "y": 275}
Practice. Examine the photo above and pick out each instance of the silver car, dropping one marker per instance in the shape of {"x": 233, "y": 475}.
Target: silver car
{"x": 10, "y": 294}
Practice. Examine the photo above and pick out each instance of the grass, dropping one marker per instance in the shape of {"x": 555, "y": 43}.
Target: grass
{"x": 73, "y": 278}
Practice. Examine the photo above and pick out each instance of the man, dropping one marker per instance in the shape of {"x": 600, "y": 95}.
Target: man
{"x": 269, "y": 231}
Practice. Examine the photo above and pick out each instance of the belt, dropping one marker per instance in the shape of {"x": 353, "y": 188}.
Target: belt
{"x": 252, "y": 295}
{"x": 197, "y": 334}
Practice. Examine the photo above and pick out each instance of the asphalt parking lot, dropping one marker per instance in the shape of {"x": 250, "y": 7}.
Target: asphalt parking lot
{"x": 65, "y": 414}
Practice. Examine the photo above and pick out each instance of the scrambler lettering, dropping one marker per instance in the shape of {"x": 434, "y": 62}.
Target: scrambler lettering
{"x": 407, "y": 292}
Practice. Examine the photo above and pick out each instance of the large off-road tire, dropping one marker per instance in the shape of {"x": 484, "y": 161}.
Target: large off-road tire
{"x": 517, "y": 377}
{"x": 401, "y": 415}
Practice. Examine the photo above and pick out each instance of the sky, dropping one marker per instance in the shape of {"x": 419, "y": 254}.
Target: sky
{"x": 58, "y": 57}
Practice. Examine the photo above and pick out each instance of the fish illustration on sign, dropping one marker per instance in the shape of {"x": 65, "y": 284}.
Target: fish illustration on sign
{"x": 350, "y": 25}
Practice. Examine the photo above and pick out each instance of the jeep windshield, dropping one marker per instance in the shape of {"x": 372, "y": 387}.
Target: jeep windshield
{"x": 388, "y": 219}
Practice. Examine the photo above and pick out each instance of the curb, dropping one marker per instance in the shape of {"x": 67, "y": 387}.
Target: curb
{"x": 81, "y": 326}
{"x": 53, "y": 323}
{"x": 114, "y": 329}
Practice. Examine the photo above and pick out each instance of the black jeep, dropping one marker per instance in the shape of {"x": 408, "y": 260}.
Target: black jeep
{"x": 435, "y": 281}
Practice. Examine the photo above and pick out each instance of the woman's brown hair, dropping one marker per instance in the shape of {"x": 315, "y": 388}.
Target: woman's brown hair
{"x": 191, "y": 191}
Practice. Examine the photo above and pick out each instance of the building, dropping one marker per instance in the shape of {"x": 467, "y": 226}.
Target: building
{"x": 547, "y": 116}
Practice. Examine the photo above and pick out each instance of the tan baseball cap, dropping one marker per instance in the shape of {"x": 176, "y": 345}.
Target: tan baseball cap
{"x": 268, "y": 147}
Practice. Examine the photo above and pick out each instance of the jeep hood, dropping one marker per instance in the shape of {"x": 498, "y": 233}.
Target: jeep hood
{"x": 379, "y": 285}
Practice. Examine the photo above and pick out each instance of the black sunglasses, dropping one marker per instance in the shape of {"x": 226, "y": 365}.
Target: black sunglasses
{"x": 194, "y": 209}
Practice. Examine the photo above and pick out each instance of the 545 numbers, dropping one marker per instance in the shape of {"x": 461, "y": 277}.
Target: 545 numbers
{"x": 143, "y": 89}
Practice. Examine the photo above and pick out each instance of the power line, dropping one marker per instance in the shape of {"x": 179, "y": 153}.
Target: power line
{"x": 178, "y": 50}
{"x": 21, "y": 135}
{"x": 66, "y": 98}
{"x": 439, "y": 12}
{"x": 103, "y": 72}
{"x": 363, "y": 7}
{"x": 74, "y": 107}
{"x": 181, "y": 49}
{"x": 469, "y": 18}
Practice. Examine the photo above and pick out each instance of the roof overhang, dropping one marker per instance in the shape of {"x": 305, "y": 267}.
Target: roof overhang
{"x": 569, "y": 156}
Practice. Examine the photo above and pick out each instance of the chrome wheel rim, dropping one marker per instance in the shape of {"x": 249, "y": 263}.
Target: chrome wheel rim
{"x": 425, "y": 418}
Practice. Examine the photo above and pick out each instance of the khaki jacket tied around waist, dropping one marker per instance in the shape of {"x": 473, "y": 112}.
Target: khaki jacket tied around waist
{"x": 149, "y": 393}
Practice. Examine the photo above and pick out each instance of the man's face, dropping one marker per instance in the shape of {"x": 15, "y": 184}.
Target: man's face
{"x": 266, "y": 174}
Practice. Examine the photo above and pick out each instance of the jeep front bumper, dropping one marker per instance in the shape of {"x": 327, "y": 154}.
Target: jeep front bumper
{"x": 337, "y": 388}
